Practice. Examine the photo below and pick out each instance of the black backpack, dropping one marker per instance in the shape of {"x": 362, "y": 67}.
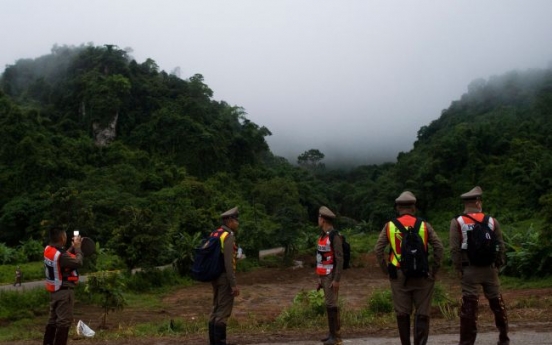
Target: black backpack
{"x": 346, "y": 248}
{"x": 482, "y": 243}
{"x": 208, "y": 258}
{"x": 414, "y": 262}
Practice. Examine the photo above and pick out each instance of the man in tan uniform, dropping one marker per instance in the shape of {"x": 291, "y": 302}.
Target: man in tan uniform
{"x": 329, "y": 266}
{"x": 473, "y": 276}
{"x": 409, "y": 292}
{"x": 225, "y": 287}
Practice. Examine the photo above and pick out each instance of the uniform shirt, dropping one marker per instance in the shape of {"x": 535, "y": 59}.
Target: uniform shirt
{"x": 433, "y": 241}
{"x": 230, "y": 257}
{"x": 459, "y": 256}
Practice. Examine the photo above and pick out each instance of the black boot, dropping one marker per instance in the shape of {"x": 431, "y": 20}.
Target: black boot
{"x": 211, "y": 333}
{"x": 501, "y": 319}
{"x": 421, "y": 329}
{"x": 62, "y": 334}
{"x": 334, "y": 325}
{"x": 468, "y": 320}
{"x": 219, "y": 331}
{"x": 49, "y": 335}
{"x": 403, "y": 323}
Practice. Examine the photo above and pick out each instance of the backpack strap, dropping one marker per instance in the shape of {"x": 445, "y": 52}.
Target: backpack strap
{"x": 403, "y": 230}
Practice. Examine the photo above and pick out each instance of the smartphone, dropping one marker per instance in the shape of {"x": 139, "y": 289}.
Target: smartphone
{"x": 75, "y": 233}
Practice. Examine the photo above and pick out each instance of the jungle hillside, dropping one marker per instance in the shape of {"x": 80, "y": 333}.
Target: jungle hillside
{"x": 143, "y": 162}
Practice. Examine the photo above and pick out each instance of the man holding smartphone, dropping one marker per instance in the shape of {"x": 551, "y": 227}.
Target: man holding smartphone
{"x": 61, "y": 278}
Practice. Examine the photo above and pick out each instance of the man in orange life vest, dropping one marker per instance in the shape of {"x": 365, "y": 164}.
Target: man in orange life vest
{"x": 61, "y": 278}
{"x": 409, "y": 292}
{"x": 329, "y": 266}
{"x": 473, "y": 276}
{"x": 225, "y": 287}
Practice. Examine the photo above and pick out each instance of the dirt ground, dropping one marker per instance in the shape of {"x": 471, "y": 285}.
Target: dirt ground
{"x": 266, "y": 292}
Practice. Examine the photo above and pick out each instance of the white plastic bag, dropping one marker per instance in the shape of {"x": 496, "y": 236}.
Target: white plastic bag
{"x": 83, "y": 329}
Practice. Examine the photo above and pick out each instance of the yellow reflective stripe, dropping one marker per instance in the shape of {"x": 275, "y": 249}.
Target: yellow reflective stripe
{"x": 222, "y": 237}
{"x": 393, "y": 232}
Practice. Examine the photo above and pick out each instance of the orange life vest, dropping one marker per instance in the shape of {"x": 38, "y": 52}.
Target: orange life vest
{"x": 324, "y": 256}
{"x": 55, "y": 275}
{"x": 394, "y": 236}
{"x": 466, "y": 224}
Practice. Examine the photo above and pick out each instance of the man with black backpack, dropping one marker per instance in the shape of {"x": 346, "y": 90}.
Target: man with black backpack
{"x": 477, "y": 252}
{"x": 407, "y": 265}
{"x": 224, "y": 287}
{"x": 329, "y": 266}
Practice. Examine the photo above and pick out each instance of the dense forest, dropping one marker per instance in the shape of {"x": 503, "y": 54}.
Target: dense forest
{"x": 143, "y": 161}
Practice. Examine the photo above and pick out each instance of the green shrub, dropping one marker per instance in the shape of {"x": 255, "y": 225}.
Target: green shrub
{"x": 448, "y": 306}
{"x": 307, "y": 306}
{"x": 152, "y": 279}
{"x": 31, "y": 250}
{"x": 6, "y": 254}
{"x": 17, "y": 305}
{"x": 380, "y": 302}
{"x": 529, "y": 254}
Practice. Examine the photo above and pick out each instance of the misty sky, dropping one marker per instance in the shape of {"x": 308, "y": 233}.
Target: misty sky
{"x": 352, "y": 78}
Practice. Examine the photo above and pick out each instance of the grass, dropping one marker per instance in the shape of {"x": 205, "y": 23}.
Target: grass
{"x": 31, "y": 271}
{"x": 521, "y": 283}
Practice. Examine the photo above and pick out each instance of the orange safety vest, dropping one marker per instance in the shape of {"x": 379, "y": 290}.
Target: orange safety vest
{"x": 466, "y": 224}
{"x": 324, "y": 256}
{"x": 55, "y": 275}
{"x": 394, "y": 236}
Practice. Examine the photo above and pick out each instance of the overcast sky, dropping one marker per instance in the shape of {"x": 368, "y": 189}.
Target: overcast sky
{"x": 352, "y": 78}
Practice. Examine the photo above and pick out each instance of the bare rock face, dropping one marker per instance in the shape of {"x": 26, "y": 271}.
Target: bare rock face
{"x": 104, "y": 136}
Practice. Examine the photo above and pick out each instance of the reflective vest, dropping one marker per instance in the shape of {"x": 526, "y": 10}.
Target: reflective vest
{"x": 394, "y": 236}
{"x": 55, "y": 275}
{"x": 222, "y": 233}
{"x": 324, "y": 256}
{"x": 466, "y": 224}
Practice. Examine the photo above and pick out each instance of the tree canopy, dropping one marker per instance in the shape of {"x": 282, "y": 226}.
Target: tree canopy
{"x": 91, "y": 138}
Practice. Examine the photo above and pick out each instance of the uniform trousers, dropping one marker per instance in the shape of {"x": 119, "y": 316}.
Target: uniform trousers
{"x": 330, "y": 297}
{"x": 486, "y": 277}
{"x": 61, "y": 308}
{"x": 223, "y": 301}
{"x": 416, "y": 292}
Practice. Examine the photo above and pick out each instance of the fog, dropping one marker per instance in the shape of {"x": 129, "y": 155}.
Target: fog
{"x": 354, "y": 79}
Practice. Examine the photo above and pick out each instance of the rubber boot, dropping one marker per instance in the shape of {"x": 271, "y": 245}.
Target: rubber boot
{"x": 501, "y": 319}
{"x": 62, "y": 334}
{"x": 403, "y": 324}
{"x": 421, "y": 329}
{"x": 219, "y": 331}
{"x": 49, "y": 335}
{"x": 211, "y": 333}
{"x": 468, "y": 320}
{"x": 334, "y": 325}
{"x": 338, "y": 325}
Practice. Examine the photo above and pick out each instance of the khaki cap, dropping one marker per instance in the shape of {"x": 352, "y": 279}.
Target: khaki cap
{"x": 473, "y": 194}
{"x": 406, "y": 198}
{"x": 326, "y": 212}
{"x": 231, "y": 213}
